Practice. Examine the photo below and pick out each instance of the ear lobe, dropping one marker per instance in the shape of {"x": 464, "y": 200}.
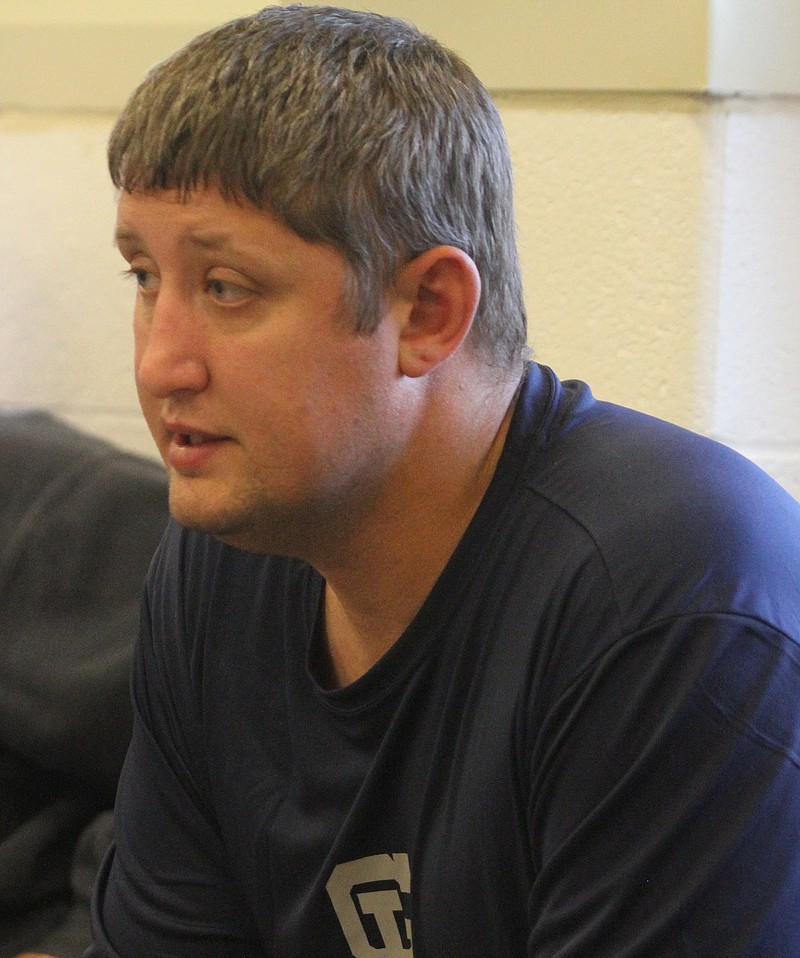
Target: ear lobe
{"x": 443, "y": 287}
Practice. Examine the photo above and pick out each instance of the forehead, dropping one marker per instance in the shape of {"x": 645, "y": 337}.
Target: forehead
{"x": 202, "y": 214}
{"x": 204, "y": 220}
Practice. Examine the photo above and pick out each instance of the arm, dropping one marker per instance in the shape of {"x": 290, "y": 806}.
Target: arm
{"x": 165, "y": 887}
{"x": 666, "y": 799}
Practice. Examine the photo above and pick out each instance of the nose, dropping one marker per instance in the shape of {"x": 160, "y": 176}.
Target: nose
{"x": 170, "y": 346}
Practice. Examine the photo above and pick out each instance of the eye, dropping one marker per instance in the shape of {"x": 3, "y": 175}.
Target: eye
{"x": 146, "y": 281}
{"x": 228, "y": 293}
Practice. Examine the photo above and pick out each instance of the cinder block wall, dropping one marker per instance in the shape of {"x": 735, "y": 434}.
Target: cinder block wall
{"x": 757, "y": 396}
{"x": 659, "y": 235}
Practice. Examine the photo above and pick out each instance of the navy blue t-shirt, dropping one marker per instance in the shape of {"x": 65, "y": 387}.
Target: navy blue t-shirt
{"x": 586, "y": 743}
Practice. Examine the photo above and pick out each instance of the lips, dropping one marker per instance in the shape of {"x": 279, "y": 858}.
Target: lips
{"x": 191, "y": 451}
{"x": 187, "y": 434}
{"x": 192, "y": 438}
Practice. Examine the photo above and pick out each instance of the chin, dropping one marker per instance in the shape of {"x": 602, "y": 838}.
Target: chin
{"x": 199, "y": 512}
{"x": 261, "y": 530}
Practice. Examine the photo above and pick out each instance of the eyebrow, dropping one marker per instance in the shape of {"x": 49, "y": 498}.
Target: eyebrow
{"x": 209, "y": 240}
{"x": 205, "y": 240}
{"x": 123, "y": 235}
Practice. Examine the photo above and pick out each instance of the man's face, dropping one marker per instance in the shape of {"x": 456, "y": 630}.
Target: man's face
{"x": 273, "y": 417}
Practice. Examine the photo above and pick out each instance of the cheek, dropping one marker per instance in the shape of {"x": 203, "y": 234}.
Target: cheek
{"x": 139, "y": 343}
{"x": 146, "y": 400}
{"x": 151, "y": 412}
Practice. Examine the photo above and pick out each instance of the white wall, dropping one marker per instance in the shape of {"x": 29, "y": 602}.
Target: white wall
{"x": 619, "y": 260}
{"x": 757, "y": 399}
{"x": 64, "y": 313}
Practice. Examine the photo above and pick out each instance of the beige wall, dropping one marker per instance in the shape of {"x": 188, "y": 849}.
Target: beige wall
{"x": 659, "y": 237}
{"x": 613, "y": 210}
{"x": 512, "y": 44}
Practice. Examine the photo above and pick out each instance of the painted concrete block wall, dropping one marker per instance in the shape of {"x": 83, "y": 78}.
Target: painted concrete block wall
{"x": 630, "y": 245}
{"x": 65, "y": 341}
{"x": 613, "y": 212}
{"x": 757, "y": 401}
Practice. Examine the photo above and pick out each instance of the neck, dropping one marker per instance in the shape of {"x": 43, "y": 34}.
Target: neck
{"x": 376, "y": 585}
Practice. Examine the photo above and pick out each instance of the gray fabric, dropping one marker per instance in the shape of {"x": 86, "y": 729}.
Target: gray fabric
{"x": 79, "y": 521}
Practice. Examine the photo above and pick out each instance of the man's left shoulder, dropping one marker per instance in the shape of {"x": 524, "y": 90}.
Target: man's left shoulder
{"x": 679, "y": 515}
{"x": 653, "y": 470}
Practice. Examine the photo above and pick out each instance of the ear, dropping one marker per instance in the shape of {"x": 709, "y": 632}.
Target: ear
{"x": 442, "y": 288}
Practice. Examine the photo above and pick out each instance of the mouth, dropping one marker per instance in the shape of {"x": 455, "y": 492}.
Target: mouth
{"x": 187, "y": 435}
{"x": 188, "y": 439}
{"x": 189, "y": 450}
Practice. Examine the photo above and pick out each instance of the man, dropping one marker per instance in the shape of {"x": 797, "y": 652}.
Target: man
{"x": 440, "y": 656}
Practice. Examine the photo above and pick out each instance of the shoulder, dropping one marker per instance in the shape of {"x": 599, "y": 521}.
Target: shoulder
{"x": 214, "y": 621}
{"x": 202, "y": 570}
{"x": 200, "y": 592}
{"x": 678, "y": 522}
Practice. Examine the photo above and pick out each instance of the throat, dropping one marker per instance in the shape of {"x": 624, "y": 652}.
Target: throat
{"x": 345, "y": 649}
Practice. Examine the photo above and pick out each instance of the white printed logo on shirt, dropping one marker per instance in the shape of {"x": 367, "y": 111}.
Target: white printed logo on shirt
{"x": 366, "y": 895}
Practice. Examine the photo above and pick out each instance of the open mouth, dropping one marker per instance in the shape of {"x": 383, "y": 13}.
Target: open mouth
{"x": 192, "y": 439}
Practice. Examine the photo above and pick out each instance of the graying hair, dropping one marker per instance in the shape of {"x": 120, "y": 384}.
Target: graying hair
{"x": 356, "y": 130}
